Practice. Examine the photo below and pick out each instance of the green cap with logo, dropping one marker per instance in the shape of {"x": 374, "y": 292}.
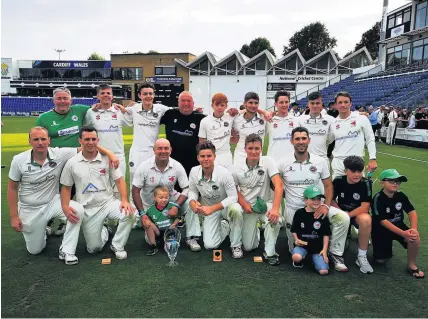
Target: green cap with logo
{"x": 312, "y": 192}
{"x": 392, "y": 174}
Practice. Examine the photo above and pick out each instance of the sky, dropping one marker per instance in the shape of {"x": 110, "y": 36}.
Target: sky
{"x": 32, "y": 29}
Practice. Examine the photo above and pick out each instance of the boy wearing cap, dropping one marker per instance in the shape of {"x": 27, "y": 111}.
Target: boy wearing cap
{"x": 311, "y": 235}
{"x": 353, "y": 194}
{"x": 388, "y": 210}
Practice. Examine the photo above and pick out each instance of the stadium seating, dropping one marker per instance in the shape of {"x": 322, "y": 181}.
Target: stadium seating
{"x": 377, "y": 91}
{"x": 31, "y": 104}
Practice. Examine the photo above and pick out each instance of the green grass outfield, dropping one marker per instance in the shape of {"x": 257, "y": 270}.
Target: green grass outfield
{"x": 141, "y": 286}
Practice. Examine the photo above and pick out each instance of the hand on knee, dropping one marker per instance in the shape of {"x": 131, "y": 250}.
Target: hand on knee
{"x": 297, "y": 258}
{"x": 323, "y": 272}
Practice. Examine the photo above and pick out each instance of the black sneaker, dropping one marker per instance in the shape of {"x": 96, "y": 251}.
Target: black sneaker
{"x": 272, "y": 260}
{"x": 181, "y": 223}
{"x": 298, "y": 265}
{"x": 153, "y": 249}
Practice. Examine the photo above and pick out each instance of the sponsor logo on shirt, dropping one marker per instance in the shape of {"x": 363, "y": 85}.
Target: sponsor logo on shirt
{"x": 151, "y": 123}
{"x": 351, "y": 134}
{"x": 275, "y": 125}
{"x": 320, "y": 132}
{"x": 114, "y": 116}
{"x": 353, "y": 123}
{"x": 74, "y": 118}
{"x": 226, "y": 134}
{"x": 54, "y": 123}
{"x": 260, "y": 132}
{"x": 304, "y": 182}
{"x": 91, "y": 188}
{"x": 398, "y": 206}
{"x": 112, "y": 128}
{"x": 68, "y": 131}
{"x": 337, "y": 126}
{"x": 171, "y": 178}
{"x": 286, "y": 137}
{"x": 97, "y": 117}
{"x": 185, "y": 133}
{"x": 46, "y": 179}
{"x": 290, "y": 124}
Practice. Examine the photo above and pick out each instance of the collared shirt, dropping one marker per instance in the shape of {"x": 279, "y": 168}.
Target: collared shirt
{"x": 279, "y": 130}
{"x": 38, "y": 184}
{"x": 220, "y": 188}
{"x": 146, "y": 125}
{"x": 392, "y": 117}
{"x": 254, "y": 182}
{"x": 390, "y": 209}
{"x": 92, "y": 179}
{"x": 297, "y": 176}
{"x": 412, "y": 121}
{"x": 319, "y": 131}
{"x": 351, "y": 135}
{"x": 246, "y": 127}
{"x": 108, "y": 124}
{"x": 217, "y": 130}
{"x": 148, "y": 177}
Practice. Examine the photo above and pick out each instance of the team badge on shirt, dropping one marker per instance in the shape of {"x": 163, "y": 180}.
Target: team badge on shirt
{"x": 313, "y": 169}
{"x": 52, "y": 164}
{"x": 353, "y": 123}
{"x": 275, "y": 125}
{"x": 260, "y": 172}
{"x": 97, "y": 117}
{"x": 398, "y": 206}
{"x": 74, "y": 118}
{"x": 324, "y": 122}
{"x": 155, "y": 115}
{"x": 226, "y": 124}
{"x": 131, "y": 164}
{"x": 317, "y": 225}
{"x": 356, "y": 196}
{"x": 114, "y": 116}
{"x": 215, "y": 187}
{"x": 192, "y": 125}
{"x": 102, "y": 171}
{"x": 261, "y": 121}
{"x": 171, "y": 178}
{"x": 337, "y": 126}
{"x": 290, "y": 124}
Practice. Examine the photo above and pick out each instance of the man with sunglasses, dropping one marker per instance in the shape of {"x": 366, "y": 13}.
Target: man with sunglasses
{"x": 388, "y": 210}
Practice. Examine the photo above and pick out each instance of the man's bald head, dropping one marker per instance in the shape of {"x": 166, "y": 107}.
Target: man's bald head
{"x": 185, "y": 103}
{"x": 162, "y": 150}
{"x": 162, "y": 142}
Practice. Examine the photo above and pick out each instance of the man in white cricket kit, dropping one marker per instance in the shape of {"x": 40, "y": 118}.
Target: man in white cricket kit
{"x": 390, "y": 134}
{"x": 33, "y": 189}
{"x": 318, "y": 125}
{"x": 253, "y": 184}
{"x": 351, "y": 132}
{"x": 108, "y": 121}
{"x": 162, "y": 170}
{"x": 303, "y": 169}
{"x": 246, "y": 124}
{"x": 92, "y": 175}
{"x": 145, "y": 118}
{"x": 280, "y": 127}
{"x": 211, "y": 192}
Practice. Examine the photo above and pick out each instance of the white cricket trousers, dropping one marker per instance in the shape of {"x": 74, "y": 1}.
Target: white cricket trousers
{"x": 251, "y": 233}
{"x": 214, "y": 231}
{"x": 96, "y": 236}
{"x": 224, "y": 159}
{"x": 34, "y": 222}
{"x": 122, "y": 166}
{"x": 390, "y": 133}
{"x": 339, "y": 223}
{"x": 337, "y": 167}
{"x": 135, "y": 159}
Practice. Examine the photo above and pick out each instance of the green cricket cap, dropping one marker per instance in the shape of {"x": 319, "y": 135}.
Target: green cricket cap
{"x": 312, "y": 192}
{"x": 392, "y": 174}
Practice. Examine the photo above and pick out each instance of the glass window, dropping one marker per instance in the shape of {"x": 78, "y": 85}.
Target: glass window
{"x": 164, "y": 70}
{"x": 390, "y": 60}
{"x": 398, "y": 48}
{"x": 399, "y": 18}
{"x": 418, "y": 43}
{"x": 231, "y": 65}
{"x": 221, "y": 70}
{"x": 417, "y": 54}
{"x": 425, "y": 56}
{"x": 420, "y": 18}
{"x": 406, "y": 46}
{"x": 391, "y": 21}
{"x": 261, "y": 65}
{"x": 204, "y": 65}
{"x": 406, "y": 17}
{"x": 291, "y": 64}
{"x": 158, "y": 71}
{"x": 390, "y": 50}
{"x": 421, "y": 5}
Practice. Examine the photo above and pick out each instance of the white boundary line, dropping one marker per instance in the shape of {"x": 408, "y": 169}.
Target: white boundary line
{"x": 408, "y": 158}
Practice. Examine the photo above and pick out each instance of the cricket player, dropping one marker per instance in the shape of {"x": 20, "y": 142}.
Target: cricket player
{"x": 162, "y": 170}
{"x": 33, "y": 189}
{"x": 351, "y": 132}
{"x": 280, "y": 127}
{"x": 392, "y": 127}
{"x": 318, "y": 125}
{"x": 246, "y": 124}
{"x": 92, "y": 175}
{"x": 303, "y": 169}
{"x": 211, "y": 191}
{"x": 253, "y": 185}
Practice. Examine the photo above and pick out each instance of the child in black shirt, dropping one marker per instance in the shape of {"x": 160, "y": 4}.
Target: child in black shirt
{"x": 311, "y": 235}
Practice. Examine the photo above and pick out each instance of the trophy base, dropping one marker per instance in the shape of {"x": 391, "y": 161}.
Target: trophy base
{"x": 172, "y": 263}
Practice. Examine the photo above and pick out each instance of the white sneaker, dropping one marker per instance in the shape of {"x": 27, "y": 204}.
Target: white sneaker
{"x": 193, "y": 244}
{"x": 60, "y": 230}
{"x": 237, "y": 252}
{"x": 120, "y": 254}
{"x": 338, "y": 262}
{"x": 364, "y": 265}
{"x": 69, "y": 259}
{"x": 48, "y": 231}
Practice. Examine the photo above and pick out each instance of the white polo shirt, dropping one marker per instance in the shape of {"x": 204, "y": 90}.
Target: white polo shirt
{"x": 148, "y": 176}
{"x": 220, "y": 188}
{"x": 319, "y": 131}
{"x": 146, "y": 125}
{"x": 92, "y": 179}
{"x": 351, "y": 135}
{"x": 297, "y": 176}
{"x": 217, "y": 130}
{"x": 279, "y": 130}
{"x": 108, "y": 123}
{"x": 392, "y": 117}
{"x": 39, "y": 184}
{"x": 255, "y": 181}
{"x": 245, "y": 128}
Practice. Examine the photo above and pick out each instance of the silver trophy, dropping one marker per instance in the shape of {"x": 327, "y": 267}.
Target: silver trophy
{"x": 172, "y": 239}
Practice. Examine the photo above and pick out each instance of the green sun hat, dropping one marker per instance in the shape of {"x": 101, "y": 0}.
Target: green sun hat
{"x": 392, "y": 174}
{"x": 260, "y": 206}
{"x": 312, "y": 192}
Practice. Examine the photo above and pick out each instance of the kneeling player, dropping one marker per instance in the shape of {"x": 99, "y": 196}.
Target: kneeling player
{"x": 253, "y": 183}
{"x": 352, "y": 194}
{"x": 388, "y": 210}
{"x": 311, "y": 235}
{"x": 215, "y": 185}
{"x": 156, "y": 220}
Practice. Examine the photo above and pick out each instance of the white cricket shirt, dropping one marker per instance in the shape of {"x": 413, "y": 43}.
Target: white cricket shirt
{"x": 218, "y": 131}
{"x": 244, "y": 128}
{"x": 279, "y": 130}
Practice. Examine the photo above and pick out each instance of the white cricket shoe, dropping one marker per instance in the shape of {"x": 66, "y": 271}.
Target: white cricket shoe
{"x": 120, "y": 254}
{"x": 193, "y": 244}
{"x": 237, "y": 252}
{"x": 69, "y": 259}
{"x": 364, "y": 265}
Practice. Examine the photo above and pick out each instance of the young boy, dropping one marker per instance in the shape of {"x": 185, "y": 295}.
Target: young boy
{"x": 352, "y": 194}
{"x": 388, "y": 210}
{"x": 311, "y": 235}
{"x": 155, "y": 219}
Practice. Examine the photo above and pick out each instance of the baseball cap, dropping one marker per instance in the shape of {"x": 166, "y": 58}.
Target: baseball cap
{"x": 312, "y": 192}
{"x": 392, "y": 174}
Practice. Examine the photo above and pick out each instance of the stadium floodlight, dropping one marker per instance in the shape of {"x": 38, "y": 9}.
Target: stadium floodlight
{"x": 59, "y": 51}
